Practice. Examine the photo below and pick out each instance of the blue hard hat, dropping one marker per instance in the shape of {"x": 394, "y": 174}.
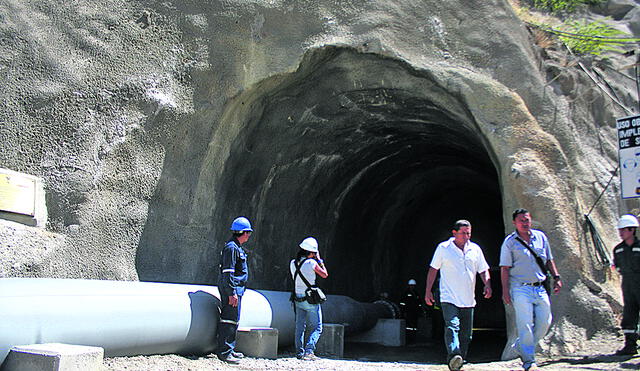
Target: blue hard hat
{"x": 241, "y": 224}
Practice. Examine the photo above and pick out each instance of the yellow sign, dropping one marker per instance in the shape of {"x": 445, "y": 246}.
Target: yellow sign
{"x": 17, "y": 194}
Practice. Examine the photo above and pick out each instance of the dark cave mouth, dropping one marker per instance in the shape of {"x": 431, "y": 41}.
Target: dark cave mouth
{"x": 378, "y": 174}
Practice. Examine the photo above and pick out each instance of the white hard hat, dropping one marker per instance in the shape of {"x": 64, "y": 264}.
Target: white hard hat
{"x": 411, "y": 282}
{"x": 310, "y": 244}
{"x": 628, "y": 220}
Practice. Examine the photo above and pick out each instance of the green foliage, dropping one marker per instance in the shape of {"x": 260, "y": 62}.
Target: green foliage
{"x": 557, "y": 6}
{"x": 594, "y": 38}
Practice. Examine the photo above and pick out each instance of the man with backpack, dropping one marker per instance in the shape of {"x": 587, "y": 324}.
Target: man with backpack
{"x": 525, "y": 260}
{"x": 304, "y": 269}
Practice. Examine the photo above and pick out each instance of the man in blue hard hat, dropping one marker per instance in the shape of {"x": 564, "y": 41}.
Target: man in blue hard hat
{"x": 233, "y": 277}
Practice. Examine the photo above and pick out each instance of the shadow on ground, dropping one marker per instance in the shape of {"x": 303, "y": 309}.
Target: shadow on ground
{"x": 486, "y": 346}
{"x": 598, "y": 359}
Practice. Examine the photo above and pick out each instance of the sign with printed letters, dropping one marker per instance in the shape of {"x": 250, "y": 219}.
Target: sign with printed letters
{"x": 629, "y": 153}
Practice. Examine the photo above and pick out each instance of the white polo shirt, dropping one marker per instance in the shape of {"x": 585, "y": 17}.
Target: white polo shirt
{"x": 458, "y": 270}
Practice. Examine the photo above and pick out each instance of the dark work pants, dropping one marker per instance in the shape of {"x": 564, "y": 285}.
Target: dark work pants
{"x": 631, "y": 301}
{"x": 457, "y": 331}
{"x": 227, "y": 327}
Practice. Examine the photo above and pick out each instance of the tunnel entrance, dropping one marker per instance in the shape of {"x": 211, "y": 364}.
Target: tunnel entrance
{"x": 374, "y": 159}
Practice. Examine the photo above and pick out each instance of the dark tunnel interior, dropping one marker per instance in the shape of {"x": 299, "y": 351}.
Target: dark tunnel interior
{"x": 374, "y": 160}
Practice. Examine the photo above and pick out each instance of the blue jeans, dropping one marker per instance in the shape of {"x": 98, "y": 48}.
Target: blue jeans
{"x": 533, "y": 318}
{"x": 307, "y": 315}
{"x": 458, "y": 324}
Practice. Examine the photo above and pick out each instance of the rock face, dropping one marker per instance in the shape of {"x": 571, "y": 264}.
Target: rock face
{"x": 371, "y": 125}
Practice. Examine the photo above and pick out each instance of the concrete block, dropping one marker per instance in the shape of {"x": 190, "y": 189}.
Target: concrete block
{"x": 54, "y": 357}
{"x": 387, "y": 332}
{"x": 22, "y": 198}
{"x": 331, "y": 342}
{"x": 257, "y": 342}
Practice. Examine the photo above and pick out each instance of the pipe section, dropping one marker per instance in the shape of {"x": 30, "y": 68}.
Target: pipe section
{"x": 139, "y": 318}
{"x": 355, "y": 316}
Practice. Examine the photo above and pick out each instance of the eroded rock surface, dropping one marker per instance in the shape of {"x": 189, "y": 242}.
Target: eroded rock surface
{"x": 372, "y": 126}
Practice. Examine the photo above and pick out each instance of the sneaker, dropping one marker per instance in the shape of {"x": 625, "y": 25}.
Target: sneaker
{"x": 310, "y": 357}
{"x": 230, "y": 359}
{"x": 300, "y": 356}
{"x": 455, "y": 363}
{"x": 237, "y": 355}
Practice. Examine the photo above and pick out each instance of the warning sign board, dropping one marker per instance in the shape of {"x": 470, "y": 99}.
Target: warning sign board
{"x": 629, "y": 152}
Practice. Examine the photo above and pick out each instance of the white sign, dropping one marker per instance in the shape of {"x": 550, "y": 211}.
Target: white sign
{"x": 629, "y": 152}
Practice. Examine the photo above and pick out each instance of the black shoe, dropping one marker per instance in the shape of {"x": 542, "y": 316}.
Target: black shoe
{"x": 230, "y": 359}
{"x": 627, "y": 351}
{"x": 237, "y": 355}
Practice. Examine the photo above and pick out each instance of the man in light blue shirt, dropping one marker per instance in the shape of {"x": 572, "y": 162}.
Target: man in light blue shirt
{"x": 525, "y": 257}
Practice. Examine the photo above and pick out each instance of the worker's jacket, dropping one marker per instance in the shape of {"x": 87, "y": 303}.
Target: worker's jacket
{"x": 233, "y": 269}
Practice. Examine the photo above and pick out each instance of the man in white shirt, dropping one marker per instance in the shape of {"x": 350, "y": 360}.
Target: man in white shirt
{"x": 307, "y": 264}
{"x": 458, "y": 260}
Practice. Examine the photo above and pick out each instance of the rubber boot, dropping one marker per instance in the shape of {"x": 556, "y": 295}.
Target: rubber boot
{"x": 630, "y": 348}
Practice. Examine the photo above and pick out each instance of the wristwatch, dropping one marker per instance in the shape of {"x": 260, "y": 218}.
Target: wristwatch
{"x": 556, "y": 277}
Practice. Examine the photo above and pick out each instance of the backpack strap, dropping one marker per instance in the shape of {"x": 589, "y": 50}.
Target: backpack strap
{"x": 541, "y": 264}
{"x": 304, "y": 279}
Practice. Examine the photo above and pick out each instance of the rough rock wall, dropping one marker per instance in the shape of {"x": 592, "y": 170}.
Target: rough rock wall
{"x": 155, "y": 123}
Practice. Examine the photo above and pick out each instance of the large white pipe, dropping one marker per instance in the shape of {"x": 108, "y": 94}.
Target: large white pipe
{"x": 124, "y": 318}
{"x": 136, "y": 318}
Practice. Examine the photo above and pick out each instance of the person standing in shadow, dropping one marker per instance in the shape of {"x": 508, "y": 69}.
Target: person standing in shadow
{"x": 234, "y": 273}
{"x": 304, "y": 269}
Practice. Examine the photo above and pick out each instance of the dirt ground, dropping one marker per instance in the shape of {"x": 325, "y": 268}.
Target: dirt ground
{"x": 484, "y": 355}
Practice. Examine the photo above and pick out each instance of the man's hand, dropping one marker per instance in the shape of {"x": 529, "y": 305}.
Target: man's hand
{"x": 233, "y": 300}
{"x": 487, "y": 290}
{"x": 428, "y": 298}
{"x": 506, "y": 297}
{"x": 557, "y": 285}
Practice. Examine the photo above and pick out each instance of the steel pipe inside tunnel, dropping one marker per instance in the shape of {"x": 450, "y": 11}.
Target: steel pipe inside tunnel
{"x": 140, "y": 318}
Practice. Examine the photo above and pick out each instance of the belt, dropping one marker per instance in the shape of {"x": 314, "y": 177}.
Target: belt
{"x": 532, "y": 283}
{"x": 304, "y": 298}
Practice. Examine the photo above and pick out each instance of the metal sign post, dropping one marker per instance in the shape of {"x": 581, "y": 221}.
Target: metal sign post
{"x": 629, "y": 152}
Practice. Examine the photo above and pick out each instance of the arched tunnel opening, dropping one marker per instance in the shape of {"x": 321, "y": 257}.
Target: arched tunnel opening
{"x": 374, "y": 159}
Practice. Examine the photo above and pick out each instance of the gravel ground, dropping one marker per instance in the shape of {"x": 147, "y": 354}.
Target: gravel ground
{"x": 178, "y": 363}
{"x": 377, "y": 358}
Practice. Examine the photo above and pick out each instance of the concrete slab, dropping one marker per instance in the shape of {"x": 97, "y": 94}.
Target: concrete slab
{"x": 22, "y": 198}
{"x": 257, "y": 342}
{"x": 54, "y": 357}
{"x": 331, "y": 342}
{"x": 387, "y": 332}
